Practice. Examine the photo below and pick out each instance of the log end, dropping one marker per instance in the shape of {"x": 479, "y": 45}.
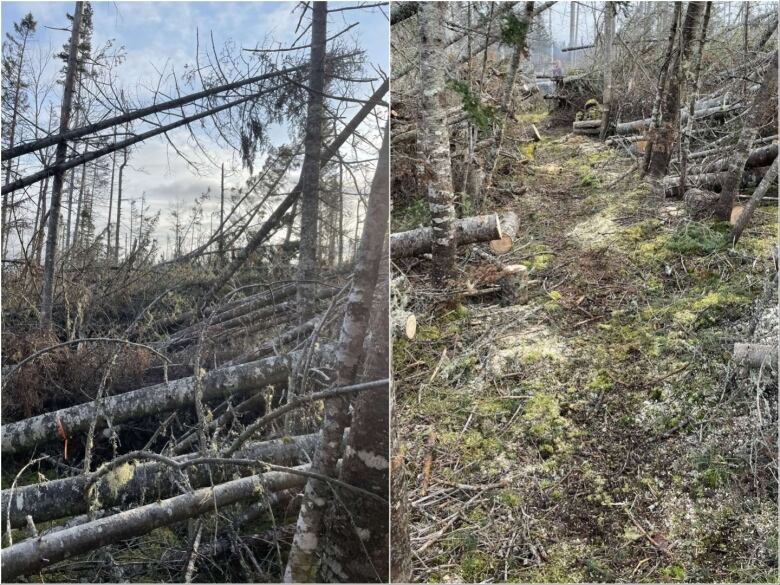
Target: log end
{"x": 410, "y": 327}
{"x": 502, "y": 245}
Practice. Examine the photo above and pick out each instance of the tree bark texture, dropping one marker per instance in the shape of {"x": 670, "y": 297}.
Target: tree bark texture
{"x": 136, "y": 483}
{"x": 434, "y": 141}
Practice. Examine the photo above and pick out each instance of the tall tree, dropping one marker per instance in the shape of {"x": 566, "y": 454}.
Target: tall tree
{"x": 434, "y": 140}
{"x": 47, "y": 297}
{"x": 310, "y": 171}
{"x": 14, "y": 99}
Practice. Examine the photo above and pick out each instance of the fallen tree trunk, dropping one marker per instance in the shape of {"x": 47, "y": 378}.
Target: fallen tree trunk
{"x": 759, "y": 157}
{"x": 27, "y": 433}
{"x": 34, "y": 554}
{"x": 133, "y": 484}
{"x": 755, "y": 355}
{"x": 586, "y": 124}
{"x": 727, "y": 149}
{"x": 749, "y": 209}
{"x": 717, "y": 112}
{"x": 587, "y": 131}
{"x": 711, "y": 181}
{"x": 243, "y": 316}
{"x": 470, "y": 230}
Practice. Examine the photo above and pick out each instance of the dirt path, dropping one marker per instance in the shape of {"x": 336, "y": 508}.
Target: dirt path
{"x": 585, "y": 432}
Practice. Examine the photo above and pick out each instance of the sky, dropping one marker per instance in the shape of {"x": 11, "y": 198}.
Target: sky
{"x": 162, "y": 35}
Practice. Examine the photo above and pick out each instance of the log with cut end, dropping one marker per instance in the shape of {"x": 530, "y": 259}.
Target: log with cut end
{"x": 586, "y": 131}
{"x": 134, "y": 483}
{"x": 755, "y": 355}
{"x": 711, "y": 181}
{"x": 470, "y": 230}
{"x": 509, "y": 229}
{"x": 404, "y": 324}
{"x": 34, "y": 554}
{"x": 27, "y": 433}
{"x": 587, "y": 124}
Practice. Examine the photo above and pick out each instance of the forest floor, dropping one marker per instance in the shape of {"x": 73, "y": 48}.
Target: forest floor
{"x": 594, "y": 429}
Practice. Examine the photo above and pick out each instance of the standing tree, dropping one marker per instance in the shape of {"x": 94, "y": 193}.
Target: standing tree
{"x": 14, "y": 99}
{"x": 434, "y": 140}
{"x": 310, "y": 171}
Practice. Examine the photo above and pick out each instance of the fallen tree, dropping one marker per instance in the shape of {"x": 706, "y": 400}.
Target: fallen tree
{"x": 758, "y": 157}
{"x": 27, "y": 433}
{"x": 36, "y": 553}
{"x": 715, "y": 112}
{"x": 711, "y": 181}
{"x": 470, "y": 230}
{"x": 132, "y": 484}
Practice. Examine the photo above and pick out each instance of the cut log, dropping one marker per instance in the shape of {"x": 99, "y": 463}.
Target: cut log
{"x": 587, "y": 131}
{"x": 404, "y": 324}
{"x": 755, "y": 355}
{"x": 27, "y": 433}
{"x": 34, "y": 554}
{"x": 587, "y": 124}
{"x": 509, "y": 228}
{"x": 712, "y": 181}
{"x": 470, "y": 230}
{"x": 758, "y": 157}
{"x": 134, "y": 484}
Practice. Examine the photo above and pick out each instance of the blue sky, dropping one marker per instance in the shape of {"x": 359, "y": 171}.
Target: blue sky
{"x": 160, "y": 35}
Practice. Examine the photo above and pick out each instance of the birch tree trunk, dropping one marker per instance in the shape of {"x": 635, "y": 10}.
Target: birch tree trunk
{"x": 356, "y": 540}
{"x": 47, "y": 295}
{"x": 310, "y": 171}
{"x": 302, "y": 564}
{"x": 435, "y": 141}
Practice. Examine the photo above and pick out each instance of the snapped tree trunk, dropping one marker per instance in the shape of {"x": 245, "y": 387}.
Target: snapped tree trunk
{"x": 47, "y": 294}
{"x": 751, "y": 205}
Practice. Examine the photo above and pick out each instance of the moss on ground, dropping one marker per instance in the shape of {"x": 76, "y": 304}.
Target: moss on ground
{"x": 600, "y": 413}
